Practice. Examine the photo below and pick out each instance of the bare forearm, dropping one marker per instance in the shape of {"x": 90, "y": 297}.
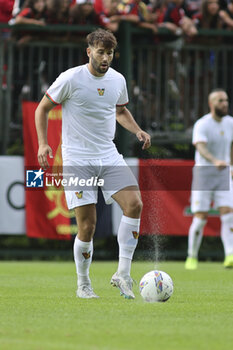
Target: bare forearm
{"x": 226, "y": 18}
{"x": 204, "y": 152}
{"x": 25, "y": 20}
{"x": 41, "y": 121}
{"x": 130, "y": 18}
{"x": 126, "y": 120}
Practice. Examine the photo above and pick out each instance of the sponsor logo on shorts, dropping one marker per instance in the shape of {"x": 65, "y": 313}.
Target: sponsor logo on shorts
{"x": 101, "y": 91}
{"x": 135, "y": 234}
{"x": 87, "y": 255}
{"x": 79, "y": 194}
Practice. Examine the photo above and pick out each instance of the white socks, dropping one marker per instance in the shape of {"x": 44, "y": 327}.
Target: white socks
{"x": 83, "y": 252}
{"x": 227, "y": 232}
{"x": 127, "y": 237}
{"x": 128, "y": 234}
{"x": 195, "y": 236}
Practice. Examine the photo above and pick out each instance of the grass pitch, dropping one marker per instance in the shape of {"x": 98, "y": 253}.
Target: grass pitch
{"x": 39, "y": 310}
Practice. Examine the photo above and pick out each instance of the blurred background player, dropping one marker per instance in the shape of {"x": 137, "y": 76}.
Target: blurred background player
{"x": 212, "y": 137}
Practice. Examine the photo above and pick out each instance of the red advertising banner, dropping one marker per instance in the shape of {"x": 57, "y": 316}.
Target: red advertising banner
{"x": 165, "y": 187}
{"x": 47, "y": 215}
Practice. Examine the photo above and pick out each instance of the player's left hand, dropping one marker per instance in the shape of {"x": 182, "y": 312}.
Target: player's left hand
{"x": 145, "y": 138}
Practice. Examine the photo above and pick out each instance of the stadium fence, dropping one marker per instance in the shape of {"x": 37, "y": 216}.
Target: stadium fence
{"x": 168, "y": 77}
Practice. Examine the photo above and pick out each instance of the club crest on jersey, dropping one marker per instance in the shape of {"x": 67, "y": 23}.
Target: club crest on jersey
{"x": 86, "y": 255}
{"x": 79, "y": 194}
{"x": 135, "y": 234}
{"x": 101, "y": 91}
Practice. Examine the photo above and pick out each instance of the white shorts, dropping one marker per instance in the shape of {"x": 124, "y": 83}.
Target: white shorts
{"x": 201, "y": 200}
{"x": 111, "y": 174}
{"x": 210, "y": 186}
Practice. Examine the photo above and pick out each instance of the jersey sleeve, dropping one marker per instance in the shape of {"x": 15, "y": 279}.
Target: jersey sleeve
{"x": 60, "y": 90}
{"x": 123, "y": 99}
{"x": 199, "y": 133}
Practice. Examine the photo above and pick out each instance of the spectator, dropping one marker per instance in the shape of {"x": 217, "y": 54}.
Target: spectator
{"x": 227, "y": 15}
{"x": 136, "y": 11}
{"x": 18, "y": 5}
{"x": 157, "y": 11}
{"x": 177, "y": 14}
{"x": 108, "y": 14}
{"x": 57, "y": 11}
{"x": 193, "y": 6}
{"x": 51, "y": 12}
{"x": 83, "y": 12}
{"x": 32, "y": 13}
{"x": 208, "y": 17}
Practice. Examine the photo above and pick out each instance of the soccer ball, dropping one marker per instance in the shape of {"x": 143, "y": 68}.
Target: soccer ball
{"x": 156, "y": 286}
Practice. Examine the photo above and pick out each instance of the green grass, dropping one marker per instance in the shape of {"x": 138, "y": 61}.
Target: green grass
{"x": 39, "y": 310}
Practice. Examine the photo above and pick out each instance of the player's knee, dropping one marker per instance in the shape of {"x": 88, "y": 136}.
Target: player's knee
{"x": 134, "y": 207}
{"x": 87, "y": 228}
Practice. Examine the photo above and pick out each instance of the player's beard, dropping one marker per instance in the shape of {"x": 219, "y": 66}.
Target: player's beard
{"x": 97, "y": 67}
{"x": 221, "y": 112}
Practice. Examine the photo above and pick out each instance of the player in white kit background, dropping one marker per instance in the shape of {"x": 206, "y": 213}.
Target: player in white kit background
{"x": 212, "y": 138}
{"x": 93, "y": 97}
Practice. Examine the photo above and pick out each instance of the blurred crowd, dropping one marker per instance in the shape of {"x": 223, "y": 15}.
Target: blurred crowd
{"x": 178, "y": 16}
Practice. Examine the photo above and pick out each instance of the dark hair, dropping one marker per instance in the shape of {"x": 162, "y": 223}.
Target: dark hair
{"x": 30, "y": 4}
{"x": 209, "y": 21}
{"x": 102, "y": 36}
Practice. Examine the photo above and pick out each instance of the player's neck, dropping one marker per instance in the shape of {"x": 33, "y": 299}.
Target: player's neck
{"x": 216, "y": 117}
{"x": 93, "y": 71}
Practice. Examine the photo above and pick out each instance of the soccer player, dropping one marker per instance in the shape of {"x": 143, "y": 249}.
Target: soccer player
{"x": 212, "y": 137}
{"x": 93, "y": 96}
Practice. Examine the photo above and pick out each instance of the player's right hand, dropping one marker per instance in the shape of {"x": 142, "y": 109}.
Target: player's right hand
{"x": 43, "y": 152}
{"x": 220, "y": 164}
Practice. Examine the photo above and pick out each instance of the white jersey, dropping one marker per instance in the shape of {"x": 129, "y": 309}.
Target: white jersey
{"x": 217, "y": 135}
{"x": 88, "y": 111}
